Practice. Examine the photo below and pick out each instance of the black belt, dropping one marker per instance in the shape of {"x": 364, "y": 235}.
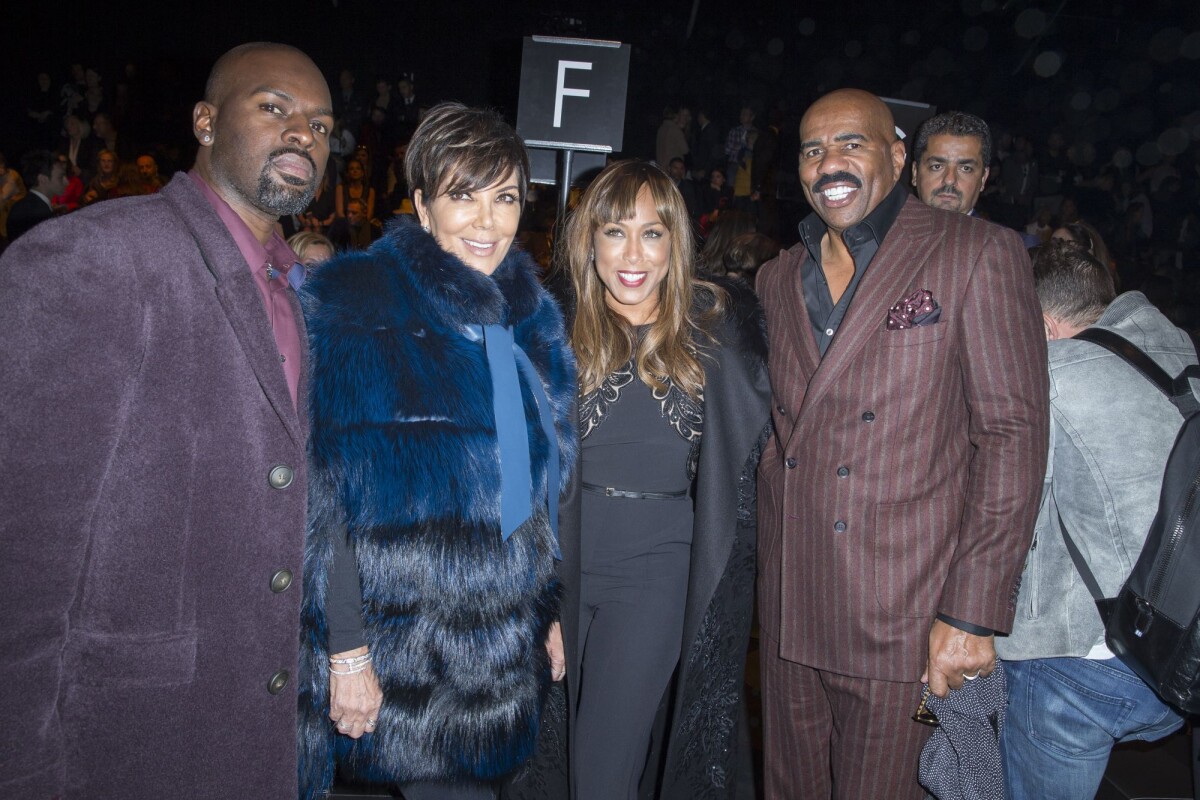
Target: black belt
{"x": 609, "y": 491}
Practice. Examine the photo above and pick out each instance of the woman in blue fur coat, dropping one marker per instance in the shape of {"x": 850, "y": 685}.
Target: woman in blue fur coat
{"x": 441, "y": 398}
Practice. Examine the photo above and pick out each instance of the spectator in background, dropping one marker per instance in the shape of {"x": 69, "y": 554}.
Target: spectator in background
{"x": 357, "y": 230}
{"x": 79, "y": 145}
{"x": 950, "y": 161}
{"x": 95, "y": 99}
{"x": 105, "y": 130}
{"x": 355, "y": 187}
{"x": 738, "y": 143}
{"x": 39, "y": 111}
{"x": 671, "y": 140}
{"x": 147, "y": 169}
{"x": 677, "y": 172}
{"x": 71, "y": 197}
{"x": 12, "y": 189}
{"x": 714, "y": 198}
{"x": 708, "y": 151}
{"x": 70, "y": 96}
{"x": 103, "y": 184}
{"x": 747, "y": 253}
{"x": 1071, "y": 698}
{"x": 728, "y": 226}
{"x": 322, "y": 211}
{"x": 311, "y": 249}
{"x": 45, "y": 176}
{"x": 407, "y": 111}
{"x": 349, "y": 105}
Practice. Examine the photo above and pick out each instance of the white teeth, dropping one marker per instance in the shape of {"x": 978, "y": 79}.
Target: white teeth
{"x": 632, "y": 276}
{"x": 838, "y": 192}
{"x": 480, "y": 245}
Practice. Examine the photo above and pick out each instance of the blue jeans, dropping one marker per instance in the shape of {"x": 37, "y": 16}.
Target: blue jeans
{"x": 1064, "y": 716}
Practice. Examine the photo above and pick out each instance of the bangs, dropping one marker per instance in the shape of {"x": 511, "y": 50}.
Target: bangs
{"x": 617, "y": 201}
{"x": 483, "y": 167}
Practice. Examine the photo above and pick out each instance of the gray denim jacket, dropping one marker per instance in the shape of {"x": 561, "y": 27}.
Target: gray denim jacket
{"x": 1111, "y": 431}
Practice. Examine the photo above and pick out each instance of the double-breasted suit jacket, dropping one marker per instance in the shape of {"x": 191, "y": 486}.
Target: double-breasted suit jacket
{"x": 153, "y": 487}
{"x": 904, "y": 475}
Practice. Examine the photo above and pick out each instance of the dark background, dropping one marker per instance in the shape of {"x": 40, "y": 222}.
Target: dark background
{"x": 1112, "y": 75}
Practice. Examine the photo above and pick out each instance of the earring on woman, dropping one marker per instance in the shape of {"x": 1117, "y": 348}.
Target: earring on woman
{"x": 207, "y": 138}
{"x": 425, "y": 228}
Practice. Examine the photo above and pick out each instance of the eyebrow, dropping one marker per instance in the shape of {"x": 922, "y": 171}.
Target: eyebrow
{"x": 944, "y": 160}
{"x": 320, "y": 111}
{"x": 841, "y": 137}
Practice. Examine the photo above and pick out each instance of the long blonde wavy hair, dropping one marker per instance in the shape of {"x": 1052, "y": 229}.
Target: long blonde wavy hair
{"x": 604, "y": 341}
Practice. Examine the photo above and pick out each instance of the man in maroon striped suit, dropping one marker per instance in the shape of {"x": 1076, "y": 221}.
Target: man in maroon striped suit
{"x": 897, "y": 498}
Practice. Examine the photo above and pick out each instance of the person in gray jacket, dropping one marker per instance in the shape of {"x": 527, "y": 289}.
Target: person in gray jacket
{"x": 1111, "y": 431}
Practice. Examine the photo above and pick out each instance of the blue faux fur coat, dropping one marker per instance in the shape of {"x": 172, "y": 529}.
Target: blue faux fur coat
{"x": 403, "y": 455}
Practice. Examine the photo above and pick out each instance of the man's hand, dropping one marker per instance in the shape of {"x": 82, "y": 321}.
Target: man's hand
{"x": 955, "y": 656}
{"x": 554, "y": 647}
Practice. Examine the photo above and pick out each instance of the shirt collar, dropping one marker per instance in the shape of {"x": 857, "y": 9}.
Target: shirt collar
{"x": 276, "y": 252}
{"x": 874, "y": 226}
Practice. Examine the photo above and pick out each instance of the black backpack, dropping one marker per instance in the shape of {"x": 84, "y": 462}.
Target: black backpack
{"x": 1153, "y": 624}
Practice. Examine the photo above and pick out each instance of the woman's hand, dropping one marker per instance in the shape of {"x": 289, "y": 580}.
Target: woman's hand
{"x": 354, "y": 700}
{"x": 554, "y": 647}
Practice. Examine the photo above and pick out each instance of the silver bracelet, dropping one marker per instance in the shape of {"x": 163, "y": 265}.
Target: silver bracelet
{"x": 352, "y": 660}
{"x": 348, "y": 671}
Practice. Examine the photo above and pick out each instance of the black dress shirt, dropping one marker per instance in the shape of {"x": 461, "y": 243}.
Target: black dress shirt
{"x": 863, "y": 241}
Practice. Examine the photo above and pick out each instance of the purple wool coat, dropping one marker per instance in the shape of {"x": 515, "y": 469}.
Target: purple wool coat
{"x": 153, "y": 496}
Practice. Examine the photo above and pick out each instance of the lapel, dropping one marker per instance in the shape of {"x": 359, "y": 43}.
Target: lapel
{"x": 904, "y": 251}
{"x": 240, "y": 300}
{"x": 798, "y": 338}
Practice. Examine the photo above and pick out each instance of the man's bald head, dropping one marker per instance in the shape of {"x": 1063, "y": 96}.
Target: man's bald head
{"x": 850, "y": 158}
{"x": 873, "y": 110}
{"x": 229, "y": 65}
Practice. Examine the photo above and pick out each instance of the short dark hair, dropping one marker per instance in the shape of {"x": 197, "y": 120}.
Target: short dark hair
{"x": 37, "y": 162}
{"x": 1072, "y": 286}
{"x": 954, "y": 123}
{"x": 461, "y": 149}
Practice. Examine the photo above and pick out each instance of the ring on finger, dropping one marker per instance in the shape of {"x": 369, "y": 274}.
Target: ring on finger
{"x": 342, "y": 724}
{"x": 370, "y": 723}
{"x": 967, "y": 677}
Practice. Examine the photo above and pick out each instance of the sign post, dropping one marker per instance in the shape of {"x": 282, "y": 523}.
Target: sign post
{"x": 572, "y": 101}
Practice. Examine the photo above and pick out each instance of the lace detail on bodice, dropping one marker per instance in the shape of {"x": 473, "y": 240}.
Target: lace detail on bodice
{"x": 683, "y": 413}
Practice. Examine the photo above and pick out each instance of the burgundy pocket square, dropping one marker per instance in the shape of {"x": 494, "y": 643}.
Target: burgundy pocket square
{"x": 915, "y": 311}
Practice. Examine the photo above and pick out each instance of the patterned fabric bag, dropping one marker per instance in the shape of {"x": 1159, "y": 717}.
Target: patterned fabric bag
{"x": 961, "y": 760}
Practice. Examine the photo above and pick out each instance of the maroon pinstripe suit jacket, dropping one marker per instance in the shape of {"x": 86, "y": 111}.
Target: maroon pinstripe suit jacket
{"x": 942, "y": 434}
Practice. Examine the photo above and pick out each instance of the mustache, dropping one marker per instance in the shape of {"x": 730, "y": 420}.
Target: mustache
{"x": 836, "y": 177}
{"x": 948, "y": 191}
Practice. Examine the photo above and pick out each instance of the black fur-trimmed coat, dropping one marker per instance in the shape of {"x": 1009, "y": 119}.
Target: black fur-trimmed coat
{"x": 403, "y": 456}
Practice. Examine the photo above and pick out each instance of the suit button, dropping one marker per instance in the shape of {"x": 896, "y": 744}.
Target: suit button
{"x": 781, "y": 409}
{"x": 868, "y": 416}
{"x": 791, "y": 463}
{"x": 843, "y": 472}
{"x": 278, "y": 681}
{"x": 281, "y": 477}
{"x": 281, "y": 580}
{"x": 839, "y": 526}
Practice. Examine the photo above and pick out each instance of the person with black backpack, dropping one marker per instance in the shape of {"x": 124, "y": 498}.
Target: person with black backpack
{"x": 1112, "y": 431}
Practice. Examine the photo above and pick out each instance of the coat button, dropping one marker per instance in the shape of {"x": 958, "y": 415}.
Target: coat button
{"x": 278, "y": 681}
{"x": 781, "y": 410}
{"x": 281, "y": 477}
{"x": 281, "y": 580}
{"x": 842, "y": 472}
{"x": 791, "y": 463}
{"x": 868, "y": 416}
{"x": 839, "y": 526}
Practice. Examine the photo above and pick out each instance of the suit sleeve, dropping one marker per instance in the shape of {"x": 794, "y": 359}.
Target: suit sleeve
{"x": 72, "y": 327}
{"x": 1007, "y": 394}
